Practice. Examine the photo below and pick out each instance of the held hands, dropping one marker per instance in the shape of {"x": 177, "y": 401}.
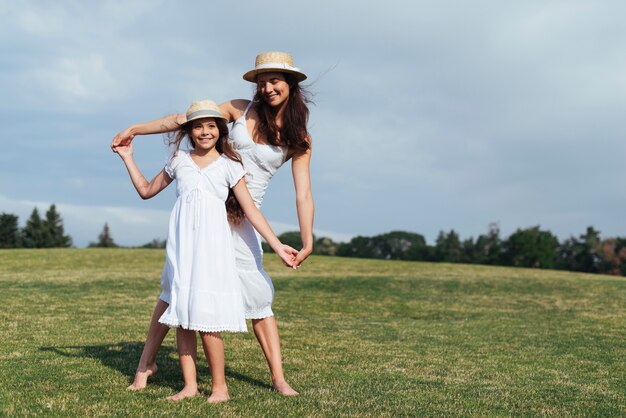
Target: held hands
{"x": 291, "y": 257}
{"x": 123, "y": 138}
{"x": 286, "y": 254}
{"x": 124, "y": 151}
{"x": 301, "y": 255}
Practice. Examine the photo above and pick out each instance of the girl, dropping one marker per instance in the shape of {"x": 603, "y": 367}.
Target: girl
{"x": 267, "y": 131}
{"x": 199, "y": 280}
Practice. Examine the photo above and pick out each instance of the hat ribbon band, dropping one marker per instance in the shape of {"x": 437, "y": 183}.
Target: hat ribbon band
{"x": 204, "y": 113}
{"x": 277, "y": 65}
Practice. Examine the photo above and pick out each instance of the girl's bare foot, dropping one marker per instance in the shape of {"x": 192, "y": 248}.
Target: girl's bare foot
{"x": 218, "y": 396}
{"x": 141, "y": 377}
{"x": 284, "y": 389}
{"x": 187, "y": 392}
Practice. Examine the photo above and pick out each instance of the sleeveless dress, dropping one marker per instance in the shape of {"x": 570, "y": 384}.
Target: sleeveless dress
{"x": 261, "y": 161}
{"x": 199, "y": 279}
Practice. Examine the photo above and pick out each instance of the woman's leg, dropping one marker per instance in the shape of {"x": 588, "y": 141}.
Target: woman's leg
{"x": 187, "y": 350}
{"x": 147, "y": 363}
{"x": 214, "y": 351}
{"x": 266, "y": 331}
{"x": 258, "y": 294}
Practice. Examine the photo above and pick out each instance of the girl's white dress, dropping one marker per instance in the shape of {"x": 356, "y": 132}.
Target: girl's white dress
{"x": 199, "y": 279}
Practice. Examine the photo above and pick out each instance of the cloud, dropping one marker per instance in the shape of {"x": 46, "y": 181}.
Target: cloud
{"x": 428, "y": 116}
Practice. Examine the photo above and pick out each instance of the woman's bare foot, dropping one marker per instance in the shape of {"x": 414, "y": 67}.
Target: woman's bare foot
{"x": 284, "y": 389}
{"x": 141, "y": 377}
{"x": 218, "y": 396}
{"x": 187, "y": 392}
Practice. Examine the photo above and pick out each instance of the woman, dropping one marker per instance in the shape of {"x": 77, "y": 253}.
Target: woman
{"x": 267, "y": 131}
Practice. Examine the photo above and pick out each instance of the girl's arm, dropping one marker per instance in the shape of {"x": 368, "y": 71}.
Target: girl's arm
{"x": 231, "y": 109}
{"x": 165, "y": 124}
{"x": 145, "y": 189}
{"x": 300, "y": 168}
{"x": 258, "y": 221}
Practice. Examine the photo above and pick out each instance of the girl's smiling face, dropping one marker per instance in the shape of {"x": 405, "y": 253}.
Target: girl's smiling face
{"x": 204, "y": 133}
{"x": 273, "y": 88}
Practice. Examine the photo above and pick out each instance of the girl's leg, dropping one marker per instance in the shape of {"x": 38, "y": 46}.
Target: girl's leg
{"x": 147, "y": 363}
{"x": 266, "y": 331}
{"x": 214, "y": 352}
{"x": 187, "y": 350}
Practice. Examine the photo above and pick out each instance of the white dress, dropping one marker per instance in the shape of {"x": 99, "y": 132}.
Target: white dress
{"x": 261, "y": 162}
{"x": 199, "y": 279}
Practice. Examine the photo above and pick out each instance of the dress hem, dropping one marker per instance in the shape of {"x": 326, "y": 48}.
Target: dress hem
{"x": 200, "y": 328}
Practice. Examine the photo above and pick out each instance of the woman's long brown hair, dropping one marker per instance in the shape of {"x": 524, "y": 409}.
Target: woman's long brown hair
{"x": 293, "y": 133}
{"x": 233, "y": 209}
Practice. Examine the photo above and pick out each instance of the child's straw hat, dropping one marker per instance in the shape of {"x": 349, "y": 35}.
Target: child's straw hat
{"x": 203, "y": 109}
{"x": 274, "y": 62}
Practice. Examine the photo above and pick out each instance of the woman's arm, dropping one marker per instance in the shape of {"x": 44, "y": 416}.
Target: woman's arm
{"x": 165, "y": 124}
{"x": 301, "y": 171}
{"x": 233, "y": 109}
{"x": 258, "y": 221}
{"x": 145, "y": 189}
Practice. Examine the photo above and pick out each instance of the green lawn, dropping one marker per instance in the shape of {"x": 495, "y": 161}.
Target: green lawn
{"x": 359, "y": 337}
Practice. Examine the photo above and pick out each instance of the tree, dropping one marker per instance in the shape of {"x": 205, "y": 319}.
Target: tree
{"x": 613, "y": 254}
{"x": 583, "y": 254}
{"x": 395, "y": 245}
{"x": 104, "y": 239}
{"x": 448, "y": 247}
{"x": 53, "y": 226}
{"x": 155, "y": 243}
{"x": 488, "y": 248}
{"x": 325, "y": 246}
{"x": 34, "y": 233}
{"x": 531, "y": 247}
{"x": 9, "y": 231}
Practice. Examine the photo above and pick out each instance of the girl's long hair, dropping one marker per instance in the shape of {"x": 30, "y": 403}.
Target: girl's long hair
{"x": 233, "y": 209}
{"x": 293, "y": 133}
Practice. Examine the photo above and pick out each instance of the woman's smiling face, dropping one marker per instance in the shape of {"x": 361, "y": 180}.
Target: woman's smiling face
{"x": 273, "y": 88}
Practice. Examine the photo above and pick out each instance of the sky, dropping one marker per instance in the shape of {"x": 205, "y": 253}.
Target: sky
{"x": 428, "y": 115}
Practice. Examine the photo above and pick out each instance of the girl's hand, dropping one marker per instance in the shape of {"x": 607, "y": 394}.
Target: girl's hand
{"x": 123, "y": 138}
{"x": 302, "y": 255}
{"x": 124, "y": 151}
{"x": 286, "y": 254}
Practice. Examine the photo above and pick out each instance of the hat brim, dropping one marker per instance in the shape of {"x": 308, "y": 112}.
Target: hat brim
{"x": 204, "y": 114}
{"x": 252, "y": 74}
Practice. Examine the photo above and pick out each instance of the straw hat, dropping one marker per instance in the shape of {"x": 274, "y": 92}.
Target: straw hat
{"x": 274, "y": 62}
{"x": 203, "y": 109}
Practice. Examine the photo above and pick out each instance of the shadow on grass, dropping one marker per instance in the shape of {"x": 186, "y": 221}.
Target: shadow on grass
{"x": 123, "y": 357}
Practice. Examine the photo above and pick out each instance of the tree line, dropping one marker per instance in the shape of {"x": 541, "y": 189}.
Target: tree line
{"x": 48, "y": 232}
{"x": 529, "y": 247}
{"x": 38, "y": 232}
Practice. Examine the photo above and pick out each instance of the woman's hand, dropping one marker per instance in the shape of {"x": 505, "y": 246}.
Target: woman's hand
{"x": 287, "y": 254}
{"x": 301, "y": 255}
{"x": 123, "y": 138}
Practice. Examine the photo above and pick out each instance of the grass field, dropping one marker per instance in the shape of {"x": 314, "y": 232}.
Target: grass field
{"x": 360, "y": 338}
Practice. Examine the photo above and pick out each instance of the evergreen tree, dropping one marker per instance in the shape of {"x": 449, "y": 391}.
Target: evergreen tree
{"x": 34, "y": 233}
{"x": 488, "y": 248}
{"x": 9, "y": 231}
{"x": 448, "y": 247}
{"x": 53, "y": 225}
{"x": 104, "y": 239}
